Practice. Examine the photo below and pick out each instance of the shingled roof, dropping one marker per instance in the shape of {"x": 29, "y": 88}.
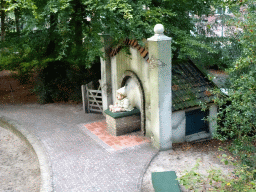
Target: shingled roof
{"x": 189, "y": 85}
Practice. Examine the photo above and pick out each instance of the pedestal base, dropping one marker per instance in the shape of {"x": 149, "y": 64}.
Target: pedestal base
{"x": 122, "y": 123}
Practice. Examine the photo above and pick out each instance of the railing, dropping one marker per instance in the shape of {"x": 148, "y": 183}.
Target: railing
{"x": 92, "y": 99}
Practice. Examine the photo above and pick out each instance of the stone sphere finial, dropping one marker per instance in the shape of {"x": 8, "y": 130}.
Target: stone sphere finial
{"x": 159, "y": 34}
{"x": 159, "y": 29}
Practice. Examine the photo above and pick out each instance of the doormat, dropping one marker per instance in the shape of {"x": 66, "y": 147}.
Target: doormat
{"x": 98, "y": 131}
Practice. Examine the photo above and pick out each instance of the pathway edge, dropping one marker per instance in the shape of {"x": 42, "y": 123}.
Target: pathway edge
{"x": 36, "y": 145}
{"x": 140, "y": 183}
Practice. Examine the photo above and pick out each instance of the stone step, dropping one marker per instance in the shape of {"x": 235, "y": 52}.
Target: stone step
{"x": 198, "y": 136}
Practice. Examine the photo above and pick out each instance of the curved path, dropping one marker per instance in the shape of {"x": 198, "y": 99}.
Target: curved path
{"x": 19, "y": 166}
{"x": 78, "y": 162}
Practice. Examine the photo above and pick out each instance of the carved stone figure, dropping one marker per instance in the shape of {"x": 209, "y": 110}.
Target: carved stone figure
{"x": 122, "y": 102}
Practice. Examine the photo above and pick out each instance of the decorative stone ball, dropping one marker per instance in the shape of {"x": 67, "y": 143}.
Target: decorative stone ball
{"x": 159, "y": 29}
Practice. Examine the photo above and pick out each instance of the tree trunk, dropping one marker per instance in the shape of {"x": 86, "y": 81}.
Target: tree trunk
{"x": 53, "y": 25}
{"x": 53, "y": 22}
{"x": 2, "y": 20}
{"x": 78, "y": 19}
{"x": 17, "y": 20}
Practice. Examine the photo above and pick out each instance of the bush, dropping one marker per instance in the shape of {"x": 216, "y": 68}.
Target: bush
{"x": 245, "y": 151}
{"x": 236, "y": 116}
{"x": 52, "y": 83}
{"x": 61, "y": 81}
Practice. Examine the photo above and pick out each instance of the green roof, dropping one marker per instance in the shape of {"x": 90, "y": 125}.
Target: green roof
{"x": 189, "y": 86}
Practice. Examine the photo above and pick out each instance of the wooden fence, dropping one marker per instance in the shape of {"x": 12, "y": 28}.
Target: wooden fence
{"x": 92, "y": 98}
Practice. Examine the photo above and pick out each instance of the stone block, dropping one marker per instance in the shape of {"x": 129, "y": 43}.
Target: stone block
{"x": 123, "y": 125}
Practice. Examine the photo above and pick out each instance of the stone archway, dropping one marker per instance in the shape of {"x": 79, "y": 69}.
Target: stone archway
{"x": 131, "y": 80}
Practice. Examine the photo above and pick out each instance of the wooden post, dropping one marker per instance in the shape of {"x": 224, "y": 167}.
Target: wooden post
{"x": 84, "y": 98}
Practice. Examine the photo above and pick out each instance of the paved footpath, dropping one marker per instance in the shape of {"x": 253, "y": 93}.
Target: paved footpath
{"x": 79, "y": 162}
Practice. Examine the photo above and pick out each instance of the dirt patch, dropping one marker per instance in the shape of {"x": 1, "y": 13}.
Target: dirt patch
{"x": 12, "y": 92}
{"x": 19, "y": 166}
{"x": 183, "y": 157}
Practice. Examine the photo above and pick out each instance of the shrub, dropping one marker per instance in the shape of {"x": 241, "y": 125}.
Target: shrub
{"x": 61, "y": 81}
{"x": 52, "y": 83}
{"x": 245, "y": 151}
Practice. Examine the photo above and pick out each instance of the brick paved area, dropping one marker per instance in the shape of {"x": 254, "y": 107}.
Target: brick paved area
{"x": 79, "y": 162}
{"x": 116, "y": 142}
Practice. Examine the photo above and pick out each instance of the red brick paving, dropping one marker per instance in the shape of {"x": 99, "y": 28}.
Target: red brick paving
{"x": 117, "y": 142}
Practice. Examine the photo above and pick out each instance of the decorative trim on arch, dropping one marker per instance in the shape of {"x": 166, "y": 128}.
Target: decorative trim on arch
{"x": 133, "y": 43}
{"x": 130, "y": 74}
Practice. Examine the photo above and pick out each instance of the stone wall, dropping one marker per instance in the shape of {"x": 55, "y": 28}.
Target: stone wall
{"x": 179, "y": 123}
{"x": 120, "y": 65}
{"x": 178, "y": 126}
{"x": 154, "y": 84}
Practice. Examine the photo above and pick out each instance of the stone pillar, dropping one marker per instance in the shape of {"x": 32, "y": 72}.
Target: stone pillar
{"x": 106, "y": 72}
{"x": 161, "y": 88}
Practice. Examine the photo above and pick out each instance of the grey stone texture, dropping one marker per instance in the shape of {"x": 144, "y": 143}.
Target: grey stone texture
{"x": 121, "y": 126}
{"x": 79, "y": 163}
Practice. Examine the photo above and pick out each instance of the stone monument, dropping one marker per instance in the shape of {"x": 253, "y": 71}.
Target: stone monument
{"x": 122, "y": 102}
{"x": 122, "y": 117}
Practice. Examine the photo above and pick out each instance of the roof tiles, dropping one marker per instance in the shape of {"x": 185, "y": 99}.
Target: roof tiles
{"x": 190, "y": 86}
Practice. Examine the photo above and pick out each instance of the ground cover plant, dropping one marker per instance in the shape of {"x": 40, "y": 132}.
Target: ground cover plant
{"x": 242, "y": 179}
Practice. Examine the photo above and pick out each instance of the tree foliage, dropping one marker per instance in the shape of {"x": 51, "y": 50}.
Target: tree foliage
{"x": 72, "y": 26}
{"x": 240, "y": 112}
{"x": 68, "y": 30}
{"x": 237, "y": 111}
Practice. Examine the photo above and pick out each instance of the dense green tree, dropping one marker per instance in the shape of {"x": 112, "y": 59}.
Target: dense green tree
{"x": 72, "y": 36}
{"x": 240, "y": 116}
{"x": 2, "y": 20}
{"x": 237, "y": 111}
{"x": 67, "y": 30}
